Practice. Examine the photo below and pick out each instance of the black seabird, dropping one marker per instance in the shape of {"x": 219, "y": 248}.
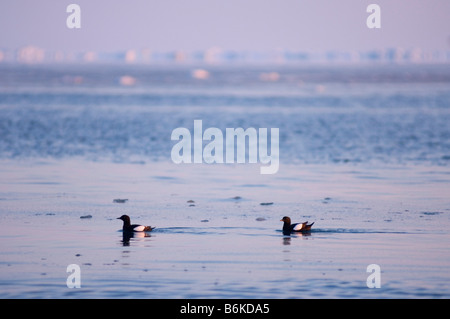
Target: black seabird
{"x": 298, "y": 227}
{"x": 127, "y": 227}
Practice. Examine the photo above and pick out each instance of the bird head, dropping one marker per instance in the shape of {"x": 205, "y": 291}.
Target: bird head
{"x": 124, "y": 218}
{"x": 286, "y": 220}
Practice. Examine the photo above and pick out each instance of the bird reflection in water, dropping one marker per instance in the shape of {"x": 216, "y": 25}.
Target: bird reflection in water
{"x": 286, "y": 240}
{"x": 126, "y": 236}
{"x": 288, "y": 236}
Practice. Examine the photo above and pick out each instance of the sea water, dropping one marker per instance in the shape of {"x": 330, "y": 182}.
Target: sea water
{"x": 364, "y": 152}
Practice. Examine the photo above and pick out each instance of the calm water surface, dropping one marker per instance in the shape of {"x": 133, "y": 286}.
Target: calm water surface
{"x": 364, "y": 153}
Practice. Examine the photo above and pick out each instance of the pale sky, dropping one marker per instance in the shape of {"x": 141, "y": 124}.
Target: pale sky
{"x": 314, "y": 25}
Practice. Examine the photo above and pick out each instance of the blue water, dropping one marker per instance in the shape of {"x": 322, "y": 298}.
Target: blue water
{"x": 383, "y": 114}
{"x": 364, "y": 153}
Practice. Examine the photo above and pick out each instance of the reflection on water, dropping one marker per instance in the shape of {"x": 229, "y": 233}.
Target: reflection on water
{"x": 127, "y": 236}
{"x": 286, "y": 240}
{"x": 297, "y": 234}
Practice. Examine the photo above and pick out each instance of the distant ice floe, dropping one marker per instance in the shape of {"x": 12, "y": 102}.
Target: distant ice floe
{"x": 200, "y": 74}
{"x": 127, "y": 80}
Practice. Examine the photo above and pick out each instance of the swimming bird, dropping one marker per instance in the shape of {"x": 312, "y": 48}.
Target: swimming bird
{"x": 130, "y": 228}
{"x": 298, "y": 227}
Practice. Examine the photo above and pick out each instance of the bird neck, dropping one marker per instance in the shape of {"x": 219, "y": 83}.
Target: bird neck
{"x": 126, "y": 223}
